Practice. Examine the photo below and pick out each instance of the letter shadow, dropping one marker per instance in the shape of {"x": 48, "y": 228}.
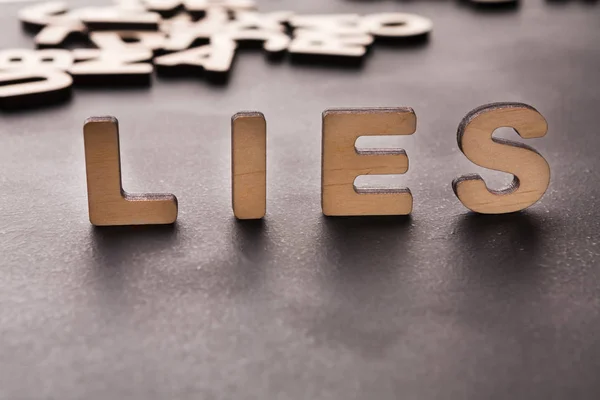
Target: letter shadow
{"x": 115, "y": 246}
{"x": 367, "y": 259}
{"x": 504, "y": 6}
{"x": 51, "y": 104}
{"x": 500, "y": 248}
{"x": 251, "y": 253}
{"x": 365, "y": 246}
{"x": 119, "y": 259}
{"x": 495, "y": 277}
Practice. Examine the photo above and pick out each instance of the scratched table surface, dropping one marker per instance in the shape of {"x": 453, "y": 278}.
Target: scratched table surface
{"x": 441, "y": 305}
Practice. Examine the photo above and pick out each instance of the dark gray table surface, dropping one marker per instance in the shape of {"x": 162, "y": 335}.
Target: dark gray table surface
{"x": 442, "y": 305}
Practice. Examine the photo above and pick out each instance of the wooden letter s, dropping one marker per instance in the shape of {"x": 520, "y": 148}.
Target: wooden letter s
{"x": 531, "y": 171}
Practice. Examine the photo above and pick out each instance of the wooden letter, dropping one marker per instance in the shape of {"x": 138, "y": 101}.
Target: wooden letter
{"x": 54, "y": 22}
{"x": 215, "y": 59}
{"x": 27, "y": 60}
{"x": 250, "y": 29}
{"x": 342, "y": 162}
{"x": 165, "y": 8}
{"x": 397, "y": 25}
{"x": 329, "y": 38}
{"x": 120, "y": 18}
{"x": 196, "y": 7}
{"x": 33, "y": 87}
{"x": 324, "y": 46}
{"x": 531, "y": 171}
{"x": 32, "y": 78}
{"x": 100, "y": 67}
{"x": 249, "y": 165}
{"x": 336, "y": 24}
{"x": 184, "y": 33}
{"x": 128, "y": 40}
{"x": 109, "y": 205}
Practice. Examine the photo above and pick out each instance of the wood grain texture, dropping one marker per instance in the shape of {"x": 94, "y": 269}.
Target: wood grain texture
{"x": 249, "y": 165}
{"x": 109, "y": 204}
{"x": 342, "y": 162}
{"x": 531, "y": 171}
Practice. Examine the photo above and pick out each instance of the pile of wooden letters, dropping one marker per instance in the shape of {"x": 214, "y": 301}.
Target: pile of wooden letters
{"x": 124, "y": 43}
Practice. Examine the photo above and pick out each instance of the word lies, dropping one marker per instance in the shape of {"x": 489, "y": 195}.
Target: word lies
{"x": 342, "y": 163}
